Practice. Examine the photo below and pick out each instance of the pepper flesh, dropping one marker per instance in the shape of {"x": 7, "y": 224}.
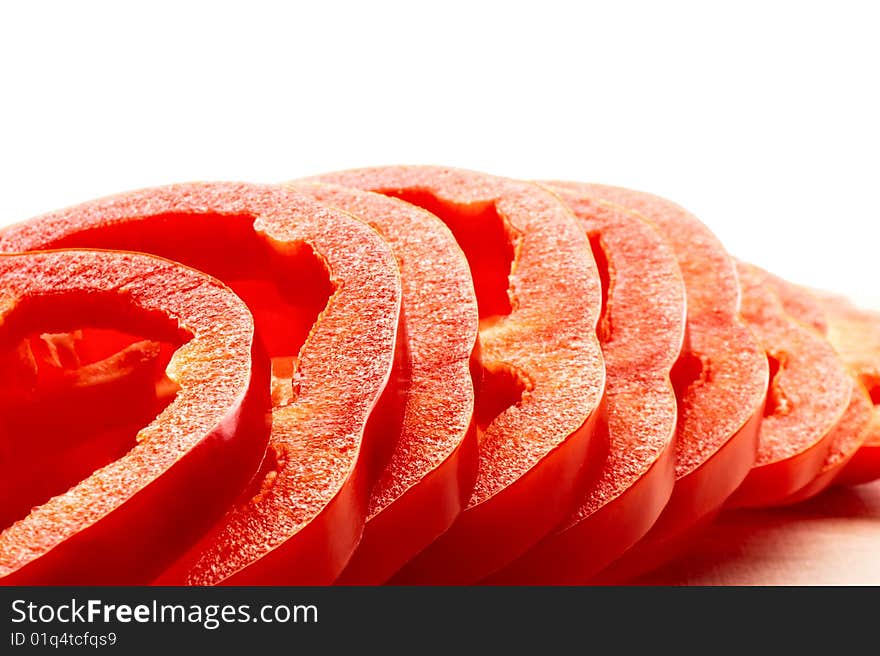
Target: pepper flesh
{"x": 301, "y": 518}
{"x": 641, "y": 331}
{"x": 429, "y": 477}
{"x": 543, "y": 376}
{"x": 720, "y": 381}
{"x": 854, "y": 428}
{"x": 855, "y": 334}
{"x": 127, "y": 520}
{"x": 808, "y": 395}
{"x": 65, "y": 418}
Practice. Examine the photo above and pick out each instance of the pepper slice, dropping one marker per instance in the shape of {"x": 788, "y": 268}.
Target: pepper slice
{"x": 846, "y": 439}
{"x": 539, "y": 298}
{"x": 125, "y": 521}
{"x": 62, "y": 418}
{"x": 854, "y": 427}
{"x": 430, "y": 476}
{"x": 808, "y": 395}
{"x": 325, "y": 293}
{"x": 641, "y": 331}
{"x": 720, "y": 381}
{"x": 855, "y": 334}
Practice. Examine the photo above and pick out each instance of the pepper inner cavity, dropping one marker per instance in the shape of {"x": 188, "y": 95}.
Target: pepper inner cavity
{"x": 72, "y": 402}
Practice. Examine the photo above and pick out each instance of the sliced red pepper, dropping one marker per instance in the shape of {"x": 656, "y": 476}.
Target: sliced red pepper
{"x": 855, "y": 334}
{"x": 641, "y": 331}
{"x": 539, "y": 299}
{"x": 74, "y": 389}
{"x": 846, "y": 439}
{"x": 431, "y": 473}
{"x": 808, "y": 395}
{"x": 720, "y": 381}
{"x": 864, "y": 466}
{"x": 854, "y": 428}
{"x": 325, "y": 293}
{"x": 75, "y": 418}
{"x": 124, "y": 521}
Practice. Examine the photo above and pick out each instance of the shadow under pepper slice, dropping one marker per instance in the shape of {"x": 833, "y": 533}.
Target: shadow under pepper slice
{"x": 539, "y": 299}
{"x": 324, "y": 290}
{"x": 127, "y": 520}
{"x": 430, "y": 476}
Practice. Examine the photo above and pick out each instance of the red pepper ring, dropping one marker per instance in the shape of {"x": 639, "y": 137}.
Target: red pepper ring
{"x": 541, "y": 398}
{"x": 129, "y": 519}
{"x": 429, "y": 478}
{"x": 302, "y": 517}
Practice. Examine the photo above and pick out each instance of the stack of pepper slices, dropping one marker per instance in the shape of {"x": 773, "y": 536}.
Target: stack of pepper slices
{"x": 411, "y": 375}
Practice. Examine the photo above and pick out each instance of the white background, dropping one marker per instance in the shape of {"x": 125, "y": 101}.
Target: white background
{"x": 761, "y": 117}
